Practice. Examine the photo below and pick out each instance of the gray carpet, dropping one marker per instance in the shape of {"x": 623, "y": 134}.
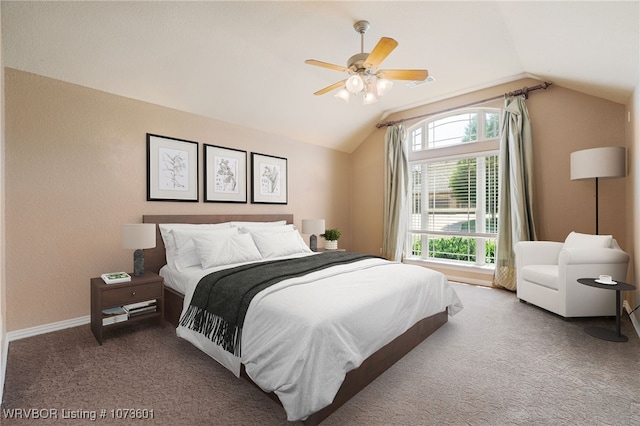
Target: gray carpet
{"x": 497, "y": 362}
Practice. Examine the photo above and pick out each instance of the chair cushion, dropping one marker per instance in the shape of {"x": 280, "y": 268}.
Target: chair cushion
{"x": 544, "y": 275}
{"x": 577, "y": 240}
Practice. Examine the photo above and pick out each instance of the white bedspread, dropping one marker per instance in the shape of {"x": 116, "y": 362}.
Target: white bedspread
{"x": 301, "y": 336}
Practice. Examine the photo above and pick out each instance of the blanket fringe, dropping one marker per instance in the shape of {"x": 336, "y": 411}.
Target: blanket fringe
{"x": 216, "y": 328}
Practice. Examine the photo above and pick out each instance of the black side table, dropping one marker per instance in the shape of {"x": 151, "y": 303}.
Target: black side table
{"x": 605, "y": 333}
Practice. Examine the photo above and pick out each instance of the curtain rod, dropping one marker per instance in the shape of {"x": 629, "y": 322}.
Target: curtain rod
{"x": 524, "y": 91}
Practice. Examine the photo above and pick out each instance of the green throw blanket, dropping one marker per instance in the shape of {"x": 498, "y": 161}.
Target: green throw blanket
{"x": 221, "y": 299}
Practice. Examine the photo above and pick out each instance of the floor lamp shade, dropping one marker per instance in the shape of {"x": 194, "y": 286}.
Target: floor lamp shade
{"x": 596, "y": 163}
{"x": 138, "y": 236}
{"x": 313, "y": 226}
{"x": 608, "y": 162}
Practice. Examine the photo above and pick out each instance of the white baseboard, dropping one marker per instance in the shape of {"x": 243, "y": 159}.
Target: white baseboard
{"x": 467, "y": 280}
{"x": 634, "y": 320}
{"x": 4, "y": 352}
{"x": 47, "y": 328}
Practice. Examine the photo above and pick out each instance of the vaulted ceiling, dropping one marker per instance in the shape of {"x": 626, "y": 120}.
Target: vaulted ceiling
{"x": 243, "y": 62}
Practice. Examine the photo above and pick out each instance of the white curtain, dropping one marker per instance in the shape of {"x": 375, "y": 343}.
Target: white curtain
{"x": 515, "y": 216}
{"x": 396, "y": 191}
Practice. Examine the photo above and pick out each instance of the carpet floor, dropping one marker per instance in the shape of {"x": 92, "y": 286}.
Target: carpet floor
{"x": 498, "y": 362}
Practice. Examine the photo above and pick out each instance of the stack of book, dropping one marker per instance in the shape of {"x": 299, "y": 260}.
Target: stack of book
{"x": 140, "y": 308}
{"x": 114, "y": 315}
{"x": 116, "y": 277}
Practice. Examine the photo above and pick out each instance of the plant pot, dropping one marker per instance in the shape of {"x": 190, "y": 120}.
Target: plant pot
{"x": 331, "y": 244}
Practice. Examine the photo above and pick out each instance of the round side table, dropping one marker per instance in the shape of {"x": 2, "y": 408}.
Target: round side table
{"x": 605, "y": 333}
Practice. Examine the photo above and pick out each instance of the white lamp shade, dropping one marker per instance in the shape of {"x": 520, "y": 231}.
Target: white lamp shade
{"x": 607, "y": 162}
{"x": 313, "y": 226}
{"x": 383, "y": 85}
{"x": 354, "y": 84}
{"x": 343, "y": 94}
{"x": 138, "y": 236}
{"x": 369, "y": 98}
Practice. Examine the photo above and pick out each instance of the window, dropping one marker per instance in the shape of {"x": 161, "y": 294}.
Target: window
{"x": 454, "y": 187}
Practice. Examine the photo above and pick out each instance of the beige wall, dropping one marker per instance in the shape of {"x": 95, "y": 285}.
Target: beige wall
{"x": 75, "y": 171}
{"x": 633, "y": 193}
{"x": 3, "y": 320}
{"x": 563, "y": 121}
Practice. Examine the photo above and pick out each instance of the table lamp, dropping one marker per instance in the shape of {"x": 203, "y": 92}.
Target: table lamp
{"x": 138, "y": 236}
{"x": 607, "y": 162}
{"x": 313, "y": 226}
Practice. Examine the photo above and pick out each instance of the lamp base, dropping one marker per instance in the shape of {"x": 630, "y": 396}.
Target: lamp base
{"x": 313, "y": 243}
{"x": 138, "y": 263}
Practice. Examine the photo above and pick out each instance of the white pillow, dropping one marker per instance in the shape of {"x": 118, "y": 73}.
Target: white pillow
{"x": 166, "y": 228}
{"x": 216, "y": 250}
{"x": 260, "y": 224}
{"x": 577, "y": 240}
{"x": 270, "y": 229}
{"x": 185, "y": 254}
{"x": 275, "y": 244}
{"x": 169, "y": 241}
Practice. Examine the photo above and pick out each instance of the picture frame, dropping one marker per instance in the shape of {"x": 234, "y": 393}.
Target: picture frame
{"x": 172, "y": 169}
{"x": 268, "y": 179}
{"x": 225, "y": 174}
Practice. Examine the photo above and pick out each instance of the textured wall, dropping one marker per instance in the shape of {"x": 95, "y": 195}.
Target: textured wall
{"x": 76, "y": 171}
{"x": 633, "y": 194}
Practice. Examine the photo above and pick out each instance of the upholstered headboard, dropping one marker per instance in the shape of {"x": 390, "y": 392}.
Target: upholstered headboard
{"x": 155, "y": 258}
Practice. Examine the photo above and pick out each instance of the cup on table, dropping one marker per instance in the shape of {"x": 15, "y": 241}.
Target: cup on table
{"x": 605, "y": 278}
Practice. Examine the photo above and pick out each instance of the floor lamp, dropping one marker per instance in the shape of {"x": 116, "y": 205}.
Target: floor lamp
{"x": 607, "y": 162}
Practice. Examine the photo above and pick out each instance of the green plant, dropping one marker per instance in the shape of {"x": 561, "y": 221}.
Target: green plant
{"x": 331, "y": 235}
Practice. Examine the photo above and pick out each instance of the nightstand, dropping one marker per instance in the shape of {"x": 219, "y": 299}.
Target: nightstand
{"x": 103, "y": 296}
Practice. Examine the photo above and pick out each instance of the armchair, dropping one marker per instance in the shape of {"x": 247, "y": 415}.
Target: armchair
{"x": 547, "y": 274}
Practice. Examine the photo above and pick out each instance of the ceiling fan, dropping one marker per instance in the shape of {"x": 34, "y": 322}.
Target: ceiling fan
{"x": 364, "y": 73}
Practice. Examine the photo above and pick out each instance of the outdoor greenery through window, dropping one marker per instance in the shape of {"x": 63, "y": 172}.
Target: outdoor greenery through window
{"x": 454, "y": 187}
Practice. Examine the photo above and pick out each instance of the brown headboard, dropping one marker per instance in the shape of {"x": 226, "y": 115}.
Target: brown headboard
{"x": 155, "y": 258}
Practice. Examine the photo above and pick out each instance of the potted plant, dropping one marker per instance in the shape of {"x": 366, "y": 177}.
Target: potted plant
{"x": 331, "y": 237}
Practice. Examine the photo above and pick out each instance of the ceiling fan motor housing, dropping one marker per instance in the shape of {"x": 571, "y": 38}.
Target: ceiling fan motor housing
{"x": 356, "y": 62}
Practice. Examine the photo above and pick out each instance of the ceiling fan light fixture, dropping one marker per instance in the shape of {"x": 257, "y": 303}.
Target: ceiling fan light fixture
{"x": 343, "y": 94}
{"x": 383, "y": 86}
{"x": 364, "y": 73}
{"x": 354, "y": 84}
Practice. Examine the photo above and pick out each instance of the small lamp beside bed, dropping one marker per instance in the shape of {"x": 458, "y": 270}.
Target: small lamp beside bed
{"x": 138, "y": 236}
{"x": 313, "y": 226}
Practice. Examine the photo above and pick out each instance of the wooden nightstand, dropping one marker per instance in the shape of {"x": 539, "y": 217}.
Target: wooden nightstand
{"x": 139, "y": 289}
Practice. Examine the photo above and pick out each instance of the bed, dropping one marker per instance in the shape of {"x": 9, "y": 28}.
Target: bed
{"x": 259, "y": 363}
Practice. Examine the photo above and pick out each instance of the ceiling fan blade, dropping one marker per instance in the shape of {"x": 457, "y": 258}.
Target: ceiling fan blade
{"x": 330, "y": 88}
{"x": 384, "y": 47}
{"x": 325, "y": 65}
{"x": 413, "y": 75}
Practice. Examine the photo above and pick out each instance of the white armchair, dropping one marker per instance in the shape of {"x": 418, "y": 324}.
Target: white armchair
{"x": 548, "y": 273}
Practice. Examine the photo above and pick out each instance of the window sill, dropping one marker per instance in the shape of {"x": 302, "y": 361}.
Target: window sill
{"x": 471, "y": 274}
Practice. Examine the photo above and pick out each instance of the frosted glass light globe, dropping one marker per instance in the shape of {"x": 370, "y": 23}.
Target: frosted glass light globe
{"x": 343, "y": 94}
{"x": 354, "y": 84}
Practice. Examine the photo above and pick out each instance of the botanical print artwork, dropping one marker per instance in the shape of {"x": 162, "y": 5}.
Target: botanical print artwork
{"x": 269, "y": 179}
{"x": 226, "y": 173}
{"x": 174, "y": 165}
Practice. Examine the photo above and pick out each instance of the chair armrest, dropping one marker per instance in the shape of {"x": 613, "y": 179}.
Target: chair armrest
{"x": 537, "y": 253}
{"x": 602, "y": 256}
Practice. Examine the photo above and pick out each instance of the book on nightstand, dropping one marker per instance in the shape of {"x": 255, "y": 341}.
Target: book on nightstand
{"x": 116, "y": 277}
{"x": 140, "y": 308}
{"x": 114, "y": 315}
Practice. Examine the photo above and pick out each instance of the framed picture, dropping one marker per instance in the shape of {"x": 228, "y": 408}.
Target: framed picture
{"x": 268, "y": 179}
{"x": 172, "y": 169}
{"x": 225, "y": 175}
